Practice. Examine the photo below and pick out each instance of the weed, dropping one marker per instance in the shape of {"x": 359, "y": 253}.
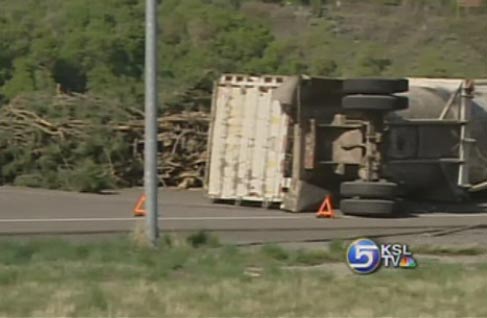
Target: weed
{"x": 275, "y": 252}
{"x": 8, "y": 276}
{"x": 310, "y": 257}
{"x": 203, "y": 239}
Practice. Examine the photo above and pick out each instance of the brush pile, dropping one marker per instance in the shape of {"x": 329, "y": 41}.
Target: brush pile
{"x": 88, "y": 144}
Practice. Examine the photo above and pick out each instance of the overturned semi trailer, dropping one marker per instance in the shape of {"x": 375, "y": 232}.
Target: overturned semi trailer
{"x": 289, "y": 141}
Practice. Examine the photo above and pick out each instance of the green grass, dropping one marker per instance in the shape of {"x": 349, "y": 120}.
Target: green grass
{"x": 198, "y": 277}
{"x": 450, "y": 250}
{"x": 334, "y": 253}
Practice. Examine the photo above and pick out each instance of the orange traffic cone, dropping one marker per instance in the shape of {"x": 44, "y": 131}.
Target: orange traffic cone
{"x": 326, "y": 209}
{"x": 139, "y": 209}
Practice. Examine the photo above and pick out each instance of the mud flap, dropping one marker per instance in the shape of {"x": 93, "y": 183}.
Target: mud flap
{"x": 304, "y": 197}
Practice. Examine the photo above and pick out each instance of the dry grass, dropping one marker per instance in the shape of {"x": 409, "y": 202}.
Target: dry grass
{"x": 54, "y": 279}
{"x": 471, "y": 250}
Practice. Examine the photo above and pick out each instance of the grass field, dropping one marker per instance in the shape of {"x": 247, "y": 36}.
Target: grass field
{"x": 197, "y": 277}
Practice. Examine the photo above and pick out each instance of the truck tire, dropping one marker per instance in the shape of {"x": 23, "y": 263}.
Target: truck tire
{"x": 375, "y": 86}
{"x": 375, "y": 102}
{"x": 363, "y": 207}
{"x": 368, "y": 190}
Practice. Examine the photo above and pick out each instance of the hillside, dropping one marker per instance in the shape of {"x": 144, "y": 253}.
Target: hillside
{"x": 363, "y": 38}
{"x": 97, "y": 46}
{"x": 93, "y": 51}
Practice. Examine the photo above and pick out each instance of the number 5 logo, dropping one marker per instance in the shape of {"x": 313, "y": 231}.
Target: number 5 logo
{"x": 363, "y": 256}
{"x": 361, "y": 251}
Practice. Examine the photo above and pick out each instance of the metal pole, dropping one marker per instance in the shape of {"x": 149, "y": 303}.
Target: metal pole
{"x": 150, "y": 156}
{"x": 465, "y": 145}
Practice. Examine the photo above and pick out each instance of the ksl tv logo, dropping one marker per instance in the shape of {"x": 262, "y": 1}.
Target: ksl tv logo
{"x": 364, "y": 256}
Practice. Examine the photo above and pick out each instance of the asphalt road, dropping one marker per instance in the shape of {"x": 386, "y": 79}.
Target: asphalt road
{"x": 29, "y": 212}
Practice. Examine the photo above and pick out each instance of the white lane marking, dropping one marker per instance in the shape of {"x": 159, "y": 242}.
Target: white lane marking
{"x": 210, "y": 218}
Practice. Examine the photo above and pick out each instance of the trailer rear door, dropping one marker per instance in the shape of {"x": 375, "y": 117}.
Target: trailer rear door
{"x": 247, "y": 140}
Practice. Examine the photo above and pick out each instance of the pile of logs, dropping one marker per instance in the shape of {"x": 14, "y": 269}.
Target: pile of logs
{"x": 182, "y": 143}
{"x": 182, "y": 137}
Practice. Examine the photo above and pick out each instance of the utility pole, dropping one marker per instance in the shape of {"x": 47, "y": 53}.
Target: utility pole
{"x": 150, "y": 150}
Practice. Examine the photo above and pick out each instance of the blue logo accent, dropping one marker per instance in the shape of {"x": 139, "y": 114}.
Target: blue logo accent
{"x": 363, "y": 256}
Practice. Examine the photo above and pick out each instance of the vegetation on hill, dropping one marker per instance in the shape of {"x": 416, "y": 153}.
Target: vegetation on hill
{"x": 96, "y": 48}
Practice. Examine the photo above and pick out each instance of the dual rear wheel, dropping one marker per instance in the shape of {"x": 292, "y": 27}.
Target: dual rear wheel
{"x": 366, "y": 94}
{"x": 368, "y": 198}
